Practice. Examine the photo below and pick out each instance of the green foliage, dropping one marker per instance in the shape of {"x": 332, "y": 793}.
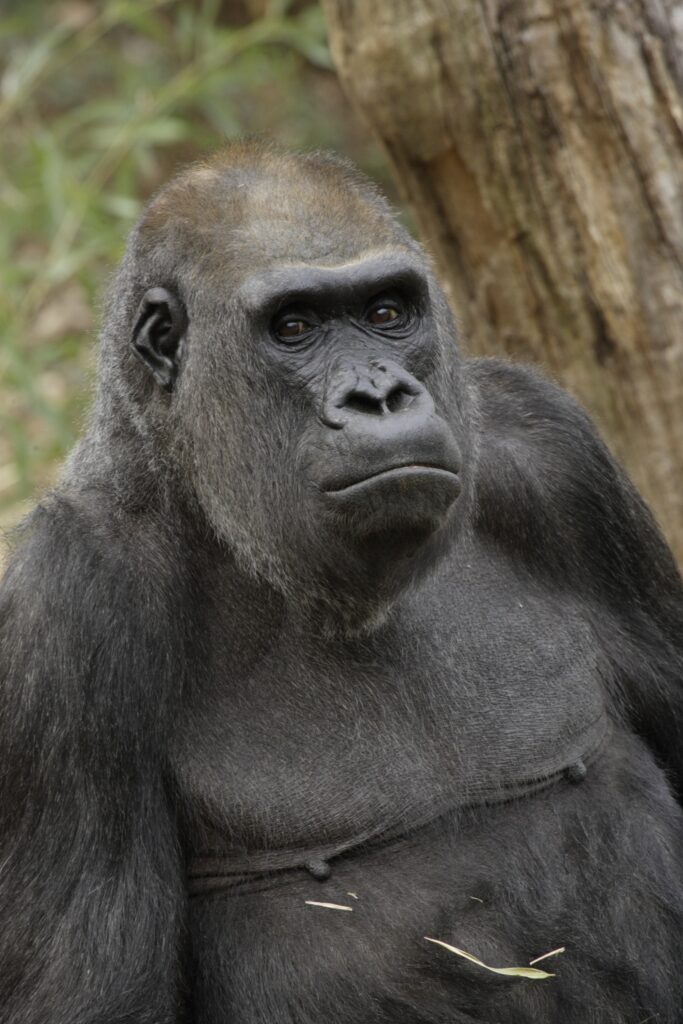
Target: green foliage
{"x": 98, "y": 104}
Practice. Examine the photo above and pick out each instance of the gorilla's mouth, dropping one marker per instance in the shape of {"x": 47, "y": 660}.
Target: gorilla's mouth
{"x": 405, "y": 478}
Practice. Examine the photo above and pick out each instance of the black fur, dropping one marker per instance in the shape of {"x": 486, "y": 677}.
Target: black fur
{"x": 226, "y": 690}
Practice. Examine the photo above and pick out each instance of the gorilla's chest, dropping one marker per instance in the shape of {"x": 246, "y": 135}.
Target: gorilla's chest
{"x": 477, "y": 689}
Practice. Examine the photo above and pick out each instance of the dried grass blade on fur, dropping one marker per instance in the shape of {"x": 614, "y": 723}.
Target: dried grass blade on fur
{"x": 328, "y": 906}
{"x": 553, "y": 952}
{"x": 516, "y": 972}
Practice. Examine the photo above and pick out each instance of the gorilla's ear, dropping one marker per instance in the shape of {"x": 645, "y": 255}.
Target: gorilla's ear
{"x": 159, "y": 330}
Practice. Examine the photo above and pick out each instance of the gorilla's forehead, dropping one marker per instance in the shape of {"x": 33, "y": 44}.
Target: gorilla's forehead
{"x": 263, "y": 215}
{"x": 279, "y": 225}
{"x": 310, "y": 236}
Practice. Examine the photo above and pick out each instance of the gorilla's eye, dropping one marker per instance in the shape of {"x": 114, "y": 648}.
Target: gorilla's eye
{"x": 290, "y": 329}
{"x": 385, "y": 314}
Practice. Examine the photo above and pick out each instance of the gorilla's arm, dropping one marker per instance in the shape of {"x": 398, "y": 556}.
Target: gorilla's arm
{"x": 550, "y": 493}
{"x": 89, "y": 874}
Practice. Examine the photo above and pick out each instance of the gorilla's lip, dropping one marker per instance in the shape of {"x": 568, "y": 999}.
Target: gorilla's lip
{"x": 405, "y": 471}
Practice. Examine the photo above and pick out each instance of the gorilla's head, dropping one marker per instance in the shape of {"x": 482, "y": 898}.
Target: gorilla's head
{"x": 282, "y": 351}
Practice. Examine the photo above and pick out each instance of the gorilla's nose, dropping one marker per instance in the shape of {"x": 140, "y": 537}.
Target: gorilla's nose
{"x": 378, "y": 389}
{"x": 385, "y": 431}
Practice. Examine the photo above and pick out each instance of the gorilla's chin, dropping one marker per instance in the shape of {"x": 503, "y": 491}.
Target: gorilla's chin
{"x": 392, "y": 513}
{"x": 384, "y": 535}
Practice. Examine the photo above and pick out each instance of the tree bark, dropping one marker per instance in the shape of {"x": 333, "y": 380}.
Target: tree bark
{"x": 539, "y": 145}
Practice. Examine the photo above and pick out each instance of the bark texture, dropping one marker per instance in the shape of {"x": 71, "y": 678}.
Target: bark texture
{"x": 539, "y": 144}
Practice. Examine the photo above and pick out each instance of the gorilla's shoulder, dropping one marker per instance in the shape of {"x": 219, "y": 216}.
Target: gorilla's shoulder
{"x": 531, "y": 424}
{"x": 515, "y": 400}
{"x": 78, "y": 545}
{"x": 543, "y": 474}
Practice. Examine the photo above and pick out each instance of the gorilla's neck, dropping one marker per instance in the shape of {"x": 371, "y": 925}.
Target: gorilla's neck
{"x": 351, "y": 594}
{"x": 119, "y": 455}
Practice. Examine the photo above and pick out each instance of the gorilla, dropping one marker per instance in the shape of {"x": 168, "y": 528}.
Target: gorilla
{"x": 329, "y": 643}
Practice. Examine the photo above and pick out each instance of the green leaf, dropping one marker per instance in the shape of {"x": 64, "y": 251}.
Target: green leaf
{"x": 125, "y": 207}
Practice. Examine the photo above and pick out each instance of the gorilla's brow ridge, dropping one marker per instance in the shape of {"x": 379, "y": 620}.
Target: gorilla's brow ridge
{"x": 375, "y": 270}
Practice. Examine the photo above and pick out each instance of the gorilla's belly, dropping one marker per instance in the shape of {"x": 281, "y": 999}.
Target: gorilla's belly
{"x": 502, "y": 883}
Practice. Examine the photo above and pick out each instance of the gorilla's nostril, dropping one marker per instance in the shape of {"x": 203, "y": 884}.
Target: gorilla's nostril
{"x": 358, "y": 402}
{"x": 398, "y": 399}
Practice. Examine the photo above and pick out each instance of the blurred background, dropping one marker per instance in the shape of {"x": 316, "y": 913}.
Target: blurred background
{"x": 99, "y": 103}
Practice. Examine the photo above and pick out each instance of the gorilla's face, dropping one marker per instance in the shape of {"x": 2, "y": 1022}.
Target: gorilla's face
{"x": 317, "y": 410}
{"x": 356, "y": 346}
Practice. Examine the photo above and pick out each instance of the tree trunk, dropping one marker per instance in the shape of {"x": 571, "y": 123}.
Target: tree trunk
{"x": 539, "y": 144}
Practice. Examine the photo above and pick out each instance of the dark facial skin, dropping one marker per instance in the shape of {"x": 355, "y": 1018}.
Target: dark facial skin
{"x": 359, "y": 341}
